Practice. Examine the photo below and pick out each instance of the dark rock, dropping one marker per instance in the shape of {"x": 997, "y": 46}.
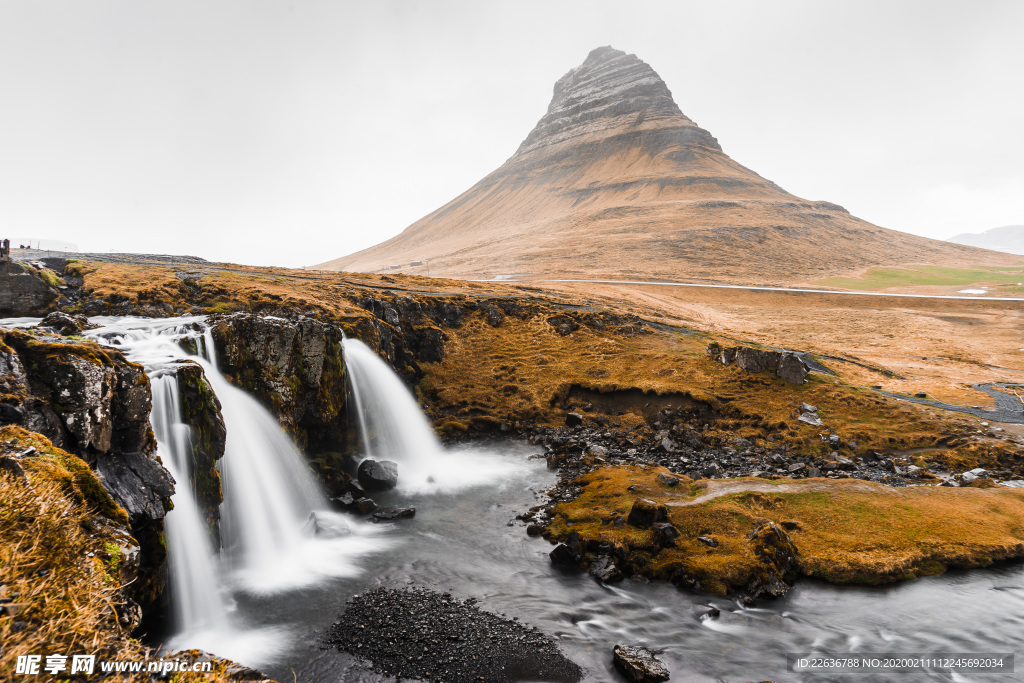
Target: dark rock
{"x": 792, "y": 368}
{"x": 389, "y": 513}
{"x": 668, "y": 479}
{"x": 705, "y": 611}
{"x": 639, "y": 664}
{"x": 604, "y": 569}
{"x": 564, "y": 555}
{"x": 796, "y": 467}
{"x": 365, "y": 506}
{"x": 645, "y": 513}
{"x": 709, "y": 541}
{"x": 11, "y": 414}
{"x": 65, "y": 324}
{"x": 791, "y": 525}
{"x": 667, "y": 534}
{"x": 378, "y": 475}
{"x": 423, "y": 635}
{"x": 534, "y": 530}
{"x": 573, "y": 419}
{"x": 138, "y": 484}
{"x": 201, "y": 411}
{"x": 23, "y": 292}
{"x": 345, "y": 502}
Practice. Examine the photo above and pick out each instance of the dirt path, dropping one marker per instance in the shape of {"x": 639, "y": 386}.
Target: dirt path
{"x": 723, "y": 487}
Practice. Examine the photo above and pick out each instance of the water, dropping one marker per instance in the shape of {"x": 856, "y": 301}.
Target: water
{"x": 277, "y": 532}
{"x": 393, "y": 427}
{"x": 462, "y": 542}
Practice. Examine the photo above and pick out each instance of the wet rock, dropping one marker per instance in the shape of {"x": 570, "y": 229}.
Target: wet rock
{"x": 534, "y": 530}
{"x": 564, "y": 555}
{"x": 645, "y": 513}
{"x": 65, "y": 324}
{"x": 387, "y": 514}
{"x": 604, "y": 569}
{"x": 639, "y": 664}
{"x": 378, "y": 475}
{"x": 201, "y": 411}
{"x": 704, "y": 611}
{"x": 424, "y": 635}
{"x": 811, "y": 419}
{"x": 365, "y": 506}
{"x": 323, "y": 526}
{"x": 139, "y": 484}
{"x": 346, "y": 502}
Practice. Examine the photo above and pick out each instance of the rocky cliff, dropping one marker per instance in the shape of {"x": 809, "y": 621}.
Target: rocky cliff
{"x": 615, "y": 181}
{"x": 91, "y": 402}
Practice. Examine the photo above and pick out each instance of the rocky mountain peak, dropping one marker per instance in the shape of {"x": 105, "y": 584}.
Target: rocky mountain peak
{"x": 610, "y": 89}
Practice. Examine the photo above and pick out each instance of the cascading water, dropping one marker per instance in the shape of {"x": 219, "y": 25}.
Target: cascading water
{"x": 276, "y": 531}
{"x": 393, "y": 427}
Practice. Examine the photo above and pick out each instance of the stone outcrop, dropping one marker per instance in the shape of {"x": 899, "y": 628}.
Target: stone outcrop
{"x": 93, "y": 403}
{"x": 296, "y": 369}
{"x": 201, "y": 411}
{"x": 23, "y": 292}
{"x": 638, "y": 663}
{"x": 785, "y": 364}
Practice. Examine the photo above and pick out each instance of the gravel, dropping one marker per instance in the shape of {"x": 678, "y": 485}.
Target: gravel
{"x": 423, "y": 634}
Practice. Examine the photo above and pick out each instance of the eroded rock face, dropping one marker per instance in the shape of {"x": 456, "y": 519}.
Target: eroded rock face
{"x": 296, "y": 369}
{"x": 92, "y": 402}
{"x": 785, "y": 364}
{"x": 201, "y": 411}
{"x": 22, "y": 292}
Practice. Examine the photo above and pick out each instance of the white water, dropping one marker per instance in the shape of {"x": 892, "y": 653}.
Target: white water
{"x": 393, "y": 427}
{"x": 269, "y": 500}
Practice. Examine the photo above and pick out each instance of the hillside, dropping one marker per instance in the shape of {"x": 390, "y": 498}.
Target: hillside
{"x": 616, "y": 181}
{"x": 1009, "y": 238}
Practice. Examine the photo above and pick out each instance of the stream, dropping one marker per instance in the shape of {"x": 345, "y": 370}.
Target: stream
{"x": 462, "y": 542}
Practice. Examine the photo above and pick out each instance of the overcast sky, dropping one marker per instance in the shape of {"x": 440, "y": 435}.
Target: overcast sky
{"x": 287, "y": 133}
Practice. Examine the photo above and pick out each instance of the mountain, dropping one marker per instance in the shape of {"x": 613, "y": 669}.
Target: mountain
{"x": 615, "y": 181}
{"x": 1009, "y": 238}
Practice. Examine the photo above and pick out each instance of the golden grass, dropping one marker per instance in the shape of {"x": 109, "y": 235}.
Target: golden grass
{"x": 848, "y": 531}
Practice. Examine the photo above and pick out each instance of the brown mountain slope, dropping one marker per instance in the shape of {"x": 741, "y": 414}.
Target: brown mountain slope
{"x": 615, "y": 181}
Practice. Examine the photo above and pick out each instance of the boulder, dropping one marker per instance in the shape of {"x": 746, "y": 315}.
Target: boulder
{"x": 811, "y": 419}
{"x": 604, "y": 569}
{"x": 65, "y": 324}
{"x": 667, "y": 534}
{"x": 387, "y": 514}
{"x": 564, "y": 555}
{"x": 639, "y": 664}
{"x": 365, "y": 506}
{"x": 792, "y": 368}
{"x": 645, "y": 513}
{"x": 573, "y": 419}
{"x": 378, "y": 475}
{"x": 776, "y": 555}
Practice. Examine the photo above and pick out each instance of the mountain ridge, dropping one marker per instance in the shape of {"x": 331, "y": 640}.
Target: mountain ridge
{"x": 614, "y": 180}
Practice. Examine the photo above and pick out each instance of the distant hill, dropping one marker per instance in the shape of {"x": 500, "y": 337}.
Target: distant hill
{"x": 1009, "y": 238}
{"x": 614, "y": 181}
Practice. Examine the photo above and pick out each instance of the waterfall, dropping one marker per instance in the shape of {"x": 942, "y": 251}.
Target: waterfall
{"x": 276, "y": 531}
{"x": 393, "y": 427}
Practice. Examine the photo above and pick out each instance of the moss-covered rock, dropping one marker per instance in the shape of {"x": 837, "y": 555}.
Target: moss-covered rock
{"x": 200, "y": 410}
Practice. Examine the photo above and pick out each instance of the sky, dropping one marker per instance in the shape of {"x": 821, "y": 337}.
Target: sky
{"x": 295, "y": 131}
